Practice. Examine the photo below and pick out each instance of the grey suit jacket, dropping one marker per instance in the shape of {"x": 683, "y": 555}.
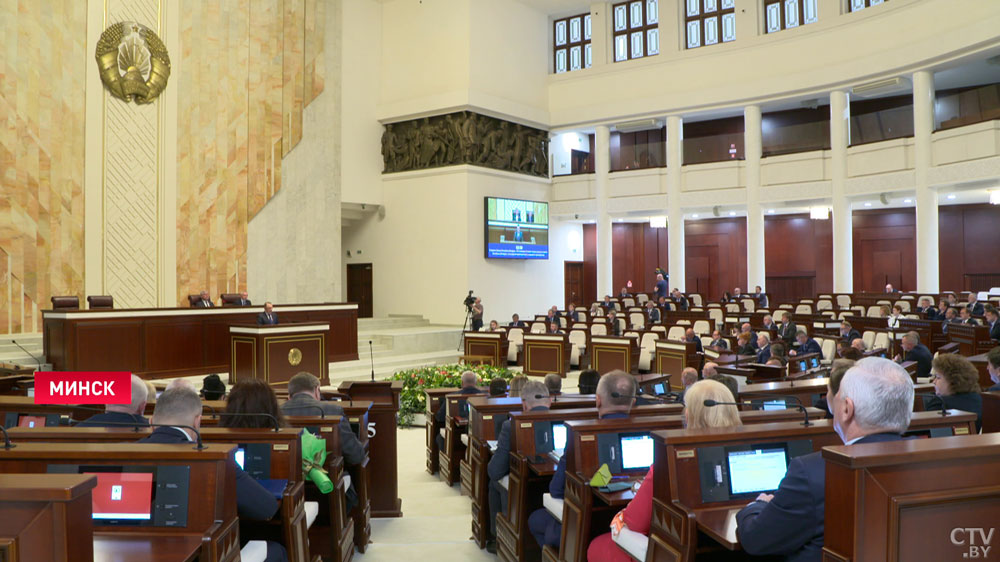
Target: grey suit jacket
{"x": 304, "y": 405}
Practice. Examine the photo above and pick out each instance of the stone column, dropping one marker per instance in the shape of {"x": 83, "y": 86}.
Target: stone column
{"x": 926, "y": 198}
{"x": 602, "y": 169}
{"x": 675, "y": 214}
{"x": 840, "y": 139}
{"x": 755, "y": 217}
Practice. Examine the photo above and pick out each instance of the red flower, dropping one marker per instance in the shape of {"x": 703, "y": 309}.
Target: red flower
{"x": 421, "y": 381}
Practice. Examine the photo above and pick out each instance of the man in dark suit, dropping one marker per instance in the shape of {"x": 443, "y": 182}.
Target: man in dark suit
{"x": 534, "y": 398}
{"x": 516, "y": 322}
{"x": 680, "y": 300}
{"x": 468, "y": 387}
{"x": 718, "y": 341}
{"x": 118, "y": 414}
{"x": 616, "y": 393}
{"x": 180, "y": 406}
{"x": 653, "y": 313}
{"x": 243, "y": 300}
{"x": 763, "y": 348}
{"x": 690, "y": 336}
{"x": 806, "y": 345}
{"x": 993, "y": 367}
{"x": 754, "y": 340}
{"x": 913, "y": 350}
{"x": 788, "y": 329}
{"x": 204, "y": 302}
{"x": 965, "y": 317}
{"x": 848, "y": 333}
{"x": 872, "y": 403}
{"x": 927, "y": 307}
{"x": 268, "y": 317}
{"x": 305, "y": 399}
{"x": 769, "y": 326}
{"x": 552, "y": 315}
{"x": 974, "y": 306}
{"x": 608, "y": 304}
{"x": 614, "y": 328}
{"x": 950, "y": 317}
{"x": 760, "y": 296}
{"x": 554, "y": 328}
{"x": 993, "y": 321}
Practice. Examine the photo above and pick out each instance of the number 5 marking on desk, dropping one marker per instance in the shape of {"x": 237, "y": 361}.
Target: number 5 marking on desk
{"x": 371, "y": 429}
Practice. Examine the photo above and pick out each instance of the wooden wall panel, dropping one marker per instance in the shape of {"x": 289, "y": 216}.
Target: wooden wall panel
{"x": 885, "y": 250}
{"x": 637, "y": 250}
{"x": 589, "y": 263}
{"x": 798, "y": 255}
{"x": 715, "y": 255}
{"x": 968, "y": 238}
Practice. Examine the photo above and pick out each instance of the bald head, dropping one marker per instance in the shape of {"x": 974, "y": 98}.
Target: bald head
{"x": 689, "y": 376}
{"x": 181, "y": 383}
{"x": 615, "y": 393}
{"x": 534, "y": 394}
{"x": 468, "y": 379}
{"x": 140, "y": 394}
{"x": 178, "y": 406}
{"x": 858, "y": 344}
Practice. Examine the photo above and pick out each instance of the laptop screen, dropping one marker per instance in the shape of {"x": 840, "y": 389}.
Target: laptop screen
{"x": 241, "y": 455}
{"x": 814, "y": 362}
{"x": 803, "y": 366}
{"x": 770, "y": 405}
{"x": 637, "y": 451}
{"x": 559, "y": 437}
{"x": 757, "y": 470}
{"x": 658, "y": 389}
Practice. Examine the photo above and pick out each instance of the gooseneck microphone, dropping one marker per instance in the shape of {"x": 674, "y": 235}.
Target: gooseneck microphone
{"x": 274, "y": 420}
{"x": 805, "y": 413}
{"x": 371, "y": 354}
{"x": 944, "y": 410}
{"x": 7, "y": 445}
{"x": 322, "y": 412}
{"x": 136, "y": 426}
{"x": 19, "y": 346}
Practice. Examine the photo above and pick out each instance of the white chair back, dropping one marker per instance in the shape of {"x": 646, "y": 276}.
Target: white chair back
{"x": 904, "y": 305}
{"x": 881, "y": 340}
{"x": 803, "y": 309}
{"x": 538, "y": 327}
{"x": 702, "y": 327}
{"x": 629, "y": 302}
{"x": 598, "y": 329}
{"x": 637, "y": 320}
{"x": 642, "y": 298}
{"x": 824, "y": 304}
{"x": 676, "y": 333}
{"x": 843, "y": 301}
{"x": 869, "y": 339}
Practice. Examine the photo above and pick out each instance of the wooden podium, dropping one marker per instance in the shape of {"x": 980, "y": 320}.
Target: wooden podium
{"x": 384, "y": 395}
{"x": 546, "y": 353}
{"x": 672, "y": 357}
{"x": 276, "y": 353}
{"x": 609, "y": 353}
{"x": 487, "y": 344}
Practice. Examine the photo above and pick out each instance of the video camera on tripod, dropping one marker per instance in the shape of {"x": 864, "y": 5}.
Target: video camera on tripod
{"x": 469, "y": 301}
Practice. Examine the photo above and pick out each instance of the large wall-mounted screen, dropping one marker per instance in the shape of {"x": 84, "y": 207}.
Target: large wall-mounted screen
{"x": 517, "y": 229}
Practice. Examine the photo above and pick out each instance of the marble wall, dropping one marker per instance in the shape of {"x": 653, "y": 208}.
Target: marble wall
{"x": 41, "y": 156}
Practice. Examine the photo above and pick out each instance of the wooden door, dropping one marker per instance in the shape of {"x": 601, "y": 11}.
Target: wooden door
{"x": 573, "y": 283}
{"x": 359, "y": 287}
{"x": 699, "y": 276}
{"x": 887, "y": 268}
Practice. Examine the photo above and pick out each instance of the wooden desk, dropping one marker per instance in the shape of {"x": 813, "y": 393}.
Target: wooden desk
{"x": 901, "y": 500}
{"x": 546, "y": 353}
{"x": 808, "y": 390}
{"x": 981, "y": 364}
{"x": 277, "y": 352}
{"x": 432, "y": 401}
{"x": 46, "y": 517}
{"x": 490, "y": 344}
{"x": 381, "y": 432}
{"x": 991, "y": 412}
{"x": 972, "y": 340}
{"x": 172, "y": 342}
{"x": 672, "y": 357}
{"x": 610, "y": 353}
{"x": 136, "y": 548}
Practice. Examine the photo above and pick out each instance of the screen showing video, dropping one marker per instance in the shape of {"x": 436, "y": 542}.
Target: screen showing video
{"x": 517, "y": 229}
{"x": 31, "y": 421}
{"x": 756, "y": 470}
{"x": 559, "y": 437}
{"x": 123, "y": 495}
{"x": 637, "y": 451}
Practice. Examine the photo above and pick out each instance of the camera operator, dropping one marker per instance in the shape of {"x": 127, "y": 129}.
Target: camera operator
{"x": 477, "y": 315}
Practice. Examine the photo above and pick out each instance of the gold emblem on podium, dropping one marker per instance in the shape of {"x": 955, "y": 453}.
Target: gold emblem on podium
{"x": 133, "y": 62}
{"x": 294, "y": 356}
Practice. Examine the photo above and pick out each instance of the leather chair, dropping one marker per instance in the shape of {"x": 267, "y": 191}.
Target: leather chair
{"x": 193, "y": 299}
{"x": 229, "y": 299}
{"x": 100, "y": 302}
{"x": 69, "y": 302}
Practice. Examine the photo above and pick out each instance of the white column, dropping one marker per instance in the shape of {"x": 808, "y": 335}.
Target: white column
{"x": 602, "y": 168}
{"x": 927, "y": 203}
{"x": 675, "y": 214}
{"x": 755, "y": 218}
{"x": 840, "y": 139}
{"x": 600, "y": 26}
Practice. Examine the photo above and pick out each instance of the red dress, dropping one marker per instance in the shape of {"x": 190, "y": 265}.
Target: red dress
{"x": 637, "y": 514}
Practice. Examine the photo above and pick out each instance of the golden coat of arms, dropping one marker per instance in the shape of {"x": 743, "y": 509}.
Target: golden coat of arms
{"x": 294, "y": 356}
{"x": 133, "y": 62}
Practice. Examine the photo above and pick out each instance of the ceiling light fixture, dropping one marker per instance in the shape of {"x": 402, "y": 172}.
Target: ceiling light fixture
{"x": 907, "y": 200}
{"x": 995, "y": 198}
{"x": 658, "y": 222}
{"x": 868, "y": 204}
{"x": 951, "y": 196}
{"x": 819, "y": 213}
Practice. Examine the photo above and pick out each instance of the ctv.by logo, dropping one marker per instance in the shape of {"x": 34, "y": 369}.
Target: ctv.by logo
{"x": 976, "y": 538}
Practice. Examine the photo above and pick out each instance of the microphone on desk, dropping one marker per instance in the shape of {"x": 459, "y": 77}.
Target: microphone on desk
{"x": 798, "y": 404}
{"x": 322, "y": 412}
{"x": 19, "y": 346}
{"x": 7, "y": 445}
{"x": 944, "y": 410}
{"x": 274, "y": 420}
{"x": 136, "y": 426}
{"x": 203, "y": 406}
{"x": 371, "y": 354}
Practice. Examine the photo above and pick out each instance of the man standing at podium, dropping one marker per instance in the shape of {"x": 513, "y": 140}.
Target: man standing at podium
{"x": 267, "y": 317}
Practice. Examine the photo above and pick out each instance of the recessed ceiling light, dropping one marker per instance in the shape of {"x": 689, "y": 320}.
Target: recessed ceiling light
{"x": 770, "y": 211}
{"x": 907, "y": 200}
{"x": 732, "y": 213}
{"x": 868, "y": 204}
{"x": 951, "y": 196}
{"x": 621, "y": 220}
{"x": 694, "y": 216}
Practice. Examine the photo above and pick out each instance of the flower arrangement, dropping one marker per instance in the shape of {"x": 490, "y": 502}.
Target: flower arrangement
{"x": 412, "y": 399}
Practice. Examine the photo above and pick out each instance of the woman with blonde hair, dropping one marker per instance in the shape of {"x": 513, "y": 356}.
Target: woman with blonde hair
{"x": 638, "y": 514}
{"x": 516, "y": 384}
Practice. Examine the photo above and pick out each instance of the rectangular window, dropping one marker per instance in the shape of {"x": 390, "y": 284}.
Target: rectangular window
{"x": 636, "y": 29}
{"x": 787, "y": 14}
{"x": 709, "y": 22}
{"x": 571, "y": 38}
{"x": 856, "y": 5}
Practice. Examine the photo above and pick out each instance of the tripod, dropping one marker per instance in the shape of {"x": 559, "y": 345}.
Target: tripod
{"x": 465, "y": 326}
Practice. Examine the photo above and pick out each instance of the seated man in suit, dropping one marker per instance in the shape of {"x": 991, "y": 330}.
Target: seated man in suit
{"x": 652, "y": 312}
{"x": 553, "y": 328}
{"x": 614, "y": 327}
{"x": 927, "y": 307}
{"x": 587, "y": 383}
{"x": 950, "y": 317}
{"x": 872, "y": 403}
{"x": 608, "y": 304}
{"x": 889, "y": 288}
{"x": 718, "y": 341}
{"x": 680, "y": 300}
{"x": 763, "y": 348}
{"x": 993, "y": 321}
{"x": 806, "y": 345}
{"x": 571, "y": 313}
{"x": 535, "y": 397}
{"x": 689, "y": 376}
{"x": 788, "y": 329}
{"x": 552, "y": 315}
{"x": 305, "y": 399}
{"x": 690, "y": 336}
{"x": 858, "y": 344}
{"x": 913, "y": 350}
{"x": 848, "y": 333}
{"x": 941, "y": 310}
{"x": 180, "y": 406}
{"x": 624, "y": 293}
{"x": 243, "y": 301}
{"x": 205, "y": 301}
{"x": 516, "y": 322}
{"x": 268, "y": 316}
{"x": 737, "y": 295}
{"x": 993, "y": 367}
{"x": 553, "y": 383}
{"x": 469, "y": 381}
{"x": 965, "y": 317}
{"x": 615, "y": 395}
{"x": 118, "y": 414}
{"x": 760, "y": 296}
{"x": 746, "y": 329}
{"x": 974, "y": 306}
{"x": 769, "y": 325}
